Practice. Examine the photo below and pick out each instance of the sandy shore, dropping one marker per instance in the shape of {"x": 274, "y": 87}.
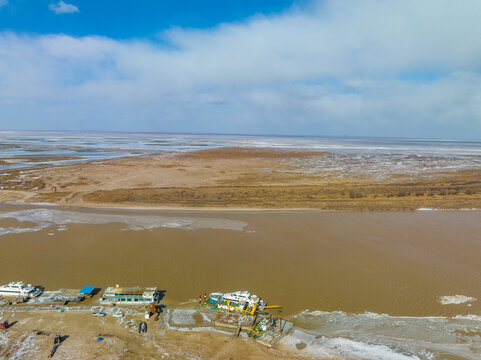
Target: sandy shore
{"x": 244, "y": 178}
{"x": 32, "y": 333}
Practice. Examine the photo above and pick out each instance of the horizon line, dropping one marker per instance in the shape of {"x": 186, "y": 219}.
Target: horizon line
{"x": 242, "y": 134}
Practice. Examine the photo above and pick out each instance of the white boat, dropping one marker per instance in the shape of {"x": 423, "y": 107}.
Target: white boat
{"x": 240, "y": 299}
{"x": 20, "y": 289}
{"x": 243, "y": 297}
{"x": 99, "y": 314}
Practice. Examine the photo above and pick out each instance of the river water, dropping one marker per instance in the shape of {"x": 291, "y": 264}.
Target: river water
{"x": 356, "y": 285}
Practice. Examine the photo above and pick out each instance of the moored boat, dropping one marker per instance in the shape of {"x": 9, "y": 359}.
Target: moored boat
{"x": 20, "y": 289}
{"x": 234, "y": 302}
{"x": 130, "y": 296}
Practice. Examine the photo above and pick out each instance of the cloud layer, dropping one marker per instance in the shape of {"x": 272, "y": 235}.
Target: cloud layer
{"x": 389, "y": 68}
{"x": 63, "y": 8}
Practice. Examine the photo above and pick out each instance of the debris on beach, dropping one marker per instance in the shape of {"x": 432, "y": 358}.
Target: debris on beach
{"x": 142, "y": 327}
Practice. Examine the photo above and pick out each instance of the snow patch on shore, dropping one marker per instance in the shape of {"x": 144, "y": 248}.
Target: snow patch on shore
{"x": 18, "y": 348}
{"x": 183, "y": 317}
{"x": 339, "y": 347}
{"x": 419, "y": 336}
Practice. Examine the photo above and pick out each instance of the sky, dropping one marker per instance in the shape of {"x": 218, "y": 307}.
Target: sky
{"x": 403, "y": 68}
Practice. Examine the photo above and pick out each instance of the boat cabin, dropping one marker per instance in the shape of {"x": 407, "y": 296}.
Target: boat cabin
{"x": 132, "y": 295}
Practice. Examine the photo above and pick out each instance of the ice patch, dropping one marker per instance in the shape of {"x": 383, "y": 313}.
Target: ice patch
{"x": 46, "y": 218}
{"x": 463, "y": 209}
{"x": 456, "y": 299}
{"x": 190, "y": 301}
{"x": 423, "y": 337}
{"x": 338, "y": 347}
{"x": 15, "y": 230}
{"x": 205, "y": 318}
{"x": 183, "y": 317}
{"x": 468, "y": 317}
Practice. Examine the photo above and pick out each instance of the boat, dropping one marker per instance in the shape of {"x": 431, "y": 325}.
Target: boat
{"x": 234, "y": 302}
{"x": 99, "y": 314}
{"x": 129, "y": 296}
{"x": 242, "y": 311}
{"x": 20, "y": 289}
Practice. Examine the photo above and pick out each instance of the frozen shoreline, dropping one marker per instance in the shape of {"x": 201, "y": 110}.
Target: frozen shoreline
{"x": 364, "y": 336}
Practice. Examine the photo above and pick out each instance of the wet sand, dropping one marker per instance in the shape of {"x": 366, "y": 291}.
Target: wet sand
{"x": 394, "y": 263}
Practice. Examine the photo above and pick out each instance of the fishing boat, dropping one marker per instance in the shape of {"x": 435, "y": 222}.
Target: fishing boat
{"x": 20, "y": 289}
{"x": 234, "y": 302}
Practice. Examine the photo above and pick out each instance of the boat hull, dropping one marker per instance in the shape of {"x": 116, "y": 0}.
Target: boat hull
{"x": 205, "y": 309}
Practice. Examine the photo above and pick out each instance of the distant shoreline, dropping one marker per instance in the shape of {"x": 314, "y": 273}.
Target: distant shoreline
{"x": 253, "y": 179}
{"x": 214, "y": 209}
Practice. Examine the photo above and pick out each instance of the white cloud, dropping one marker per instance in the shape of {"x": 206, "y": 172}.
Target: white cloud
{"x": 63, "y": 8}
{"x": 394, "y": 68}
{"x": 3, "y": 3}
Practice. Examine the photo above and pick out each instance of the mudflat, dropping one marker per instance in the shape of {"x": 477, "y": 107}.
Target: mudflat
{"x": 254, "y": 178}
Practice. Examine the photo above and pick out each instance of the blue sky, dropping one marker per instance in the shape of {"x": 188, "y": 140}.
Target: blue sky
{"x": 311, "y": 67}
{"x": 123, "y": 19}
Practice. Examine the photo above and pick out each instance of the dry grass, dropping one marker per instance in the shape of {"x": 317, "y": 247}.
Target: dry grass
{"x": 249, "y": 153}
{"x": 364, "y": 197}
